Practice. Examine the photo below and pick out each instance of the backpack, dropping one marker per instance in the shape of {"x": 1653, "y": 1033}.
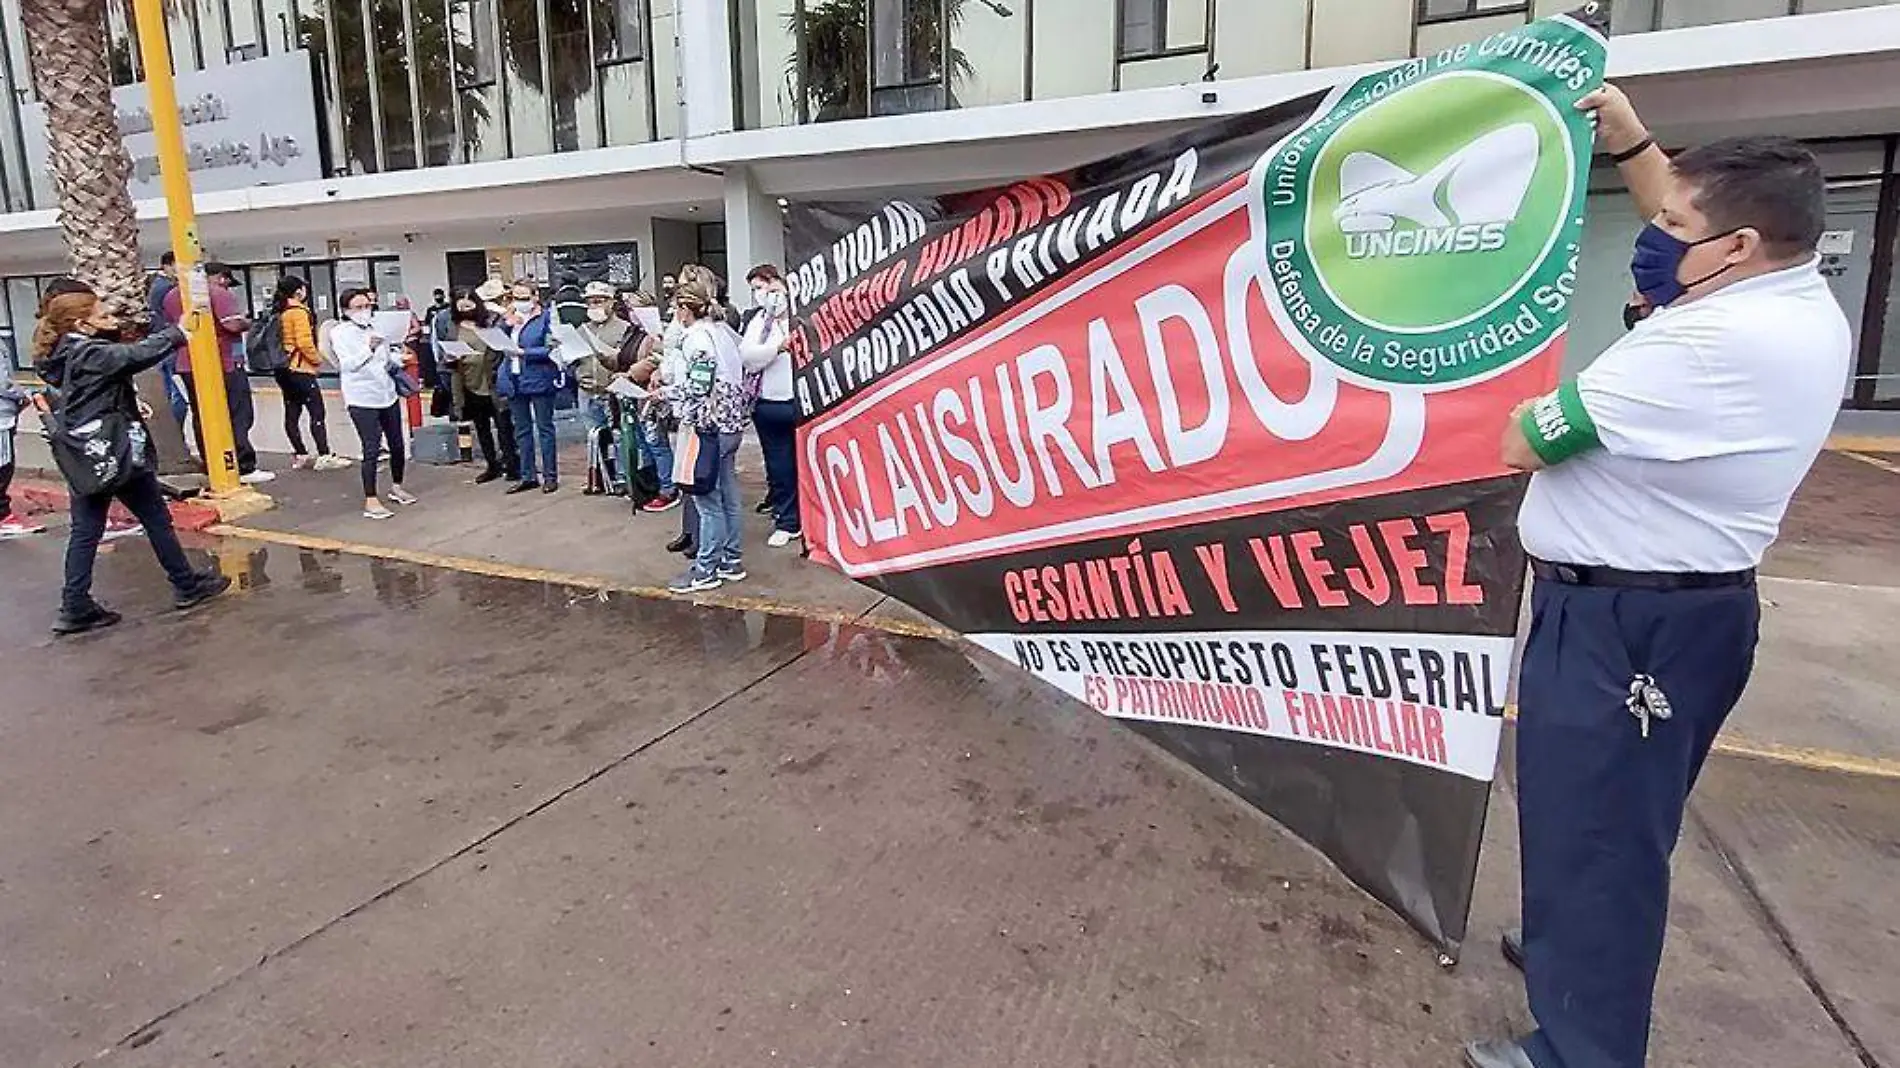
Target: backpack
{"x": 264, "y": 345}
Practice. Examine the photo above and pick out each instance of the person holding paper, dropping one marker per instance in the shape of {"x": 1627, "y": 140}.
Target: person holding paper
{"x": 369, "y": 363}
{"x": 472, "y": 370}
{"x": 767, "y": 352}
{"x": 529, "y": 378}
{"x": 604, "y": 335}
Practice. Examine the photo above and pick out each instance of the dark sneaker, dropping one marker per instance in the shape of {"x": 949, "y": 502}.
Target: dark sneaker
{"x": 682, "y": 544}
{"x": 209, "y": 585}
{"x": 98, "y": 617}
{"x": 762, "y": 508}
{"x": 693, "y": 582}
{"x": 731, "y": 572}
{"x": 486, "y": 477}
{"x": 550, "y": 486}
{"x": 522, "y": 487}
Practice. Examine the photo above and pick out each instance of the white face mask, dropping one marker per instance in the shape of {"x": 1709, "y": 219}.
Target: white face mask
{"x": 771, "y": 300}
{"x": 597, "y": 315}
{"x": 524, "y": 307}
{"x": 361, "y": 316}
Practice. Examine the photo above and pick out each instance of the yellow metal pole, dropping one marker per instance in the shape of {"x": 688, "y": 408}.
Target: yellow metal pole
{"x": 210, "y": 406}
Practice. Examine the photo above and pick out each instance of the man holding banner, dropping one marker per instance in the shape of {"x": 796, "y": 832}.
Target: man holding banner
{"x": 1662, "y": 475}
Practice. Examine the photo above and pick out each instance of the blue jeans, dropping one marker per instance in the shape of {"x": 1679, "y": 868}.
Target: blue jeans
{"x": 661, "y": 447}
{"x": 142, "y": 496}
{"x": 534, "y": 426}
{"x": 598, "y": 411}
{"x": 777, "y": 422}
{"x": 721, "y": 519}
{"x": 595, "y": 410}
{"x": 174, "y": 390}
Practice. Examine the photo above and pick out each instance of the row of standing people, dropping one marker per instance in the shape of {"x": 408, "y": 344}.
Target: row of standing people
{"x": 703, "y": 377}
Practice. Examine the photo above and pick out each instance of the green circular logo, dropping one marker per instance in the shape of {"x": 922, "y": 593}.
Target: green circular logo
{"x": 1411, "y": 234}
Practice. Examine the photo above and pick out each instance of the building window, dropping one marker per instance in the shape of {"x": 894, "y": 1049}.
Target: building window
{"x": 1430, "y": 11}
{"x": 619, "y": 32}
{"x": 122, "y": 44}
{"x": 1150, "y": 29}
{"x": 906, "y": 43}
{"x": 473, "y": 23}
{"x": 907, "y": 46}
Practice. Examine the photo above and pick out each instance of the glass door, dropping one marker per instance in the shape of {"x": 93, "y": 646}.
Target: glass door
{"x": 322, "y": 282}
{"x": 264, "y": 278}
{"x": 1847, "y": 253}
{"x": 386, "y": 280}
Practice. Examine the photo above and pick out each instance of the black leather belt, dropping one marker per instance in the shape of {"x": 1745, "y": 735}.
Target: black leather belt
{"x": 1587, "y": 575}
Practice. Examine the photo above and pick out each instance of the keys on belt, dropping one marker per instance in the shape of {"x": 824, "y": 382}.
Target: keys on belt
{"x": 1647, "y": 701}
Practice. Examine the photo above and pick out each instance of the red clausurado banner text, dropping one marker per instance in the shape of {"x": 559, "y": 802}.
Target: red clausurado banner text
{"x": 1154, "y": 388}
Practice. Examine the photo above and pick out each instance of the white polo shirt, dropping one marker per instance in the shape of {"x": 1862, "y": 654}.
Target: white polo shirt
{"x": 1706, "y": 418}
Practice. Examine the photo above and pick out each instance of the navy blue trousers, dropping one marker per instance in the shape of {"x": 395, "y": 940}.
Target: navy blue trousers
{"x": 1600, "y": 807}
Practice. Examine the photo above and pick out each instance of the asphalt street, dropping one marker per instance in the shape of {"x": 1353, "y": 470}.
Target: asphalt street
{"x": 369, "y": 813}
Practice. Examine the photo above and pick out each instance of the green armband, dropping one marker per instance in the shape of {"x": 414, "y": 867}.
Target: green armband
{"x": 1558, "y": 426}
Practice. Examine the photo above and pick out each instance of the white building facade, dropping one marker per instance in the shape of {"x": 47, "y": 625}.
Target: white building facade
{"x": 410, "y": 145}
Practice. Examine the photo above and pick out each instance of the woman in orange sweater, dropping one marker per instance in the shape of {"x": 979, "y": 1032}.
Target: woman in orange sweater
{"x": 298, "y": 377}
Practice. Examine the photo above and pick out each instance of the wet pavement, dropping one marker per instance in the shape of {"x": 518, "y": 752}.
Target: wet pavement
{"x": 369, "y": 813}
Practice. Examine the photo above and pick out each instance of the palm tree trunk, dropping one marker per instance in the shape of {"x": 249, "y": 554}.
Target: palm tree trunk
{"x": 67, "y": 42}
{"x": 67, "y": 39}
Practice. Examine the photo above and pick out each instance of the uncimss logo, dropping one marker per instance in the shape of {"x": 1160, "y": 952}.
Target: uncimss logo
{"x": 1411, "y": 233}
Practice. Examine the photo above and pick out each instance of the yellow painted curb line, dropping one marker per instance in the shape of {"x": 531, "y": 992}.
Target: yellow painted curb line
{"x": 1791, "y": 755}
{"x": 1884, "y": 465}
{"x": 1811, "y": 759}
{"x": 497, "y": 569}
{"x": 1863, "y": 443}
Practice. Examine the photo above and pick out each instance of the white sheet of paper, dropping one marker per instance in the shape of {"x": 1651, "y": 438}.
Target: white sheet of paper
{"x": 627, "y": 390}
{"x": 570, "y": 345}
{"x": 455, "y": 350}
{"x": 649, "y": 319}
{"x": 498, "y": 339}
{"x": 391, "y": 326}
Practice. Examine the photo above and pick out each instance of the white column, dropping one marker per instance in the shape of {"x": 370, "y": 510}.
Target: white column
{"x": 755, "y": 230}
{"x": 705, "y": 55}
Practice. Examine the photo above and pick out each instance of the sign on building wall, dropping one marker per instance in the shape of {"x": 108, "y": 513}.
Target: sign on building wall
{"x": 1206, "y": 434}
{"x": 247, "y": 124}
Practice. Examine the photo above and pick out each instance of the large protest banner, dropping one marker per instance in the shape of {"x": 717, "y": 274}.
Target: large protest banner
{"x": 1207, "y": 434}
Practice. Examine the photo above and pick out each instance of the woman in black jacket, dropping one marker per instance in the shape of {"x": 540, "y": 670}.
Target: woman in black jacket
{"x": 76, "y": 350}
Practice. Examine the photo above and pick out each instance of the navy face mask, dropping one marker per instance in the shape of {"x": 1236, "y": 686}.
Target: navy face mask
{"x": 1658, "y": 260}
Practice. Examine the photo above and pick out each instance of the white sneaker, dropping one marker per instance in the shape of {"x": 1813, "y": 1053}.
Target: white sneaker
{"x": 303, "y": 463}
{"x": 331, "y": 462}
{"x": 781, "y": 538}
{"x": 402, "y": 496}
{"x": 115, "y": 531}
{"x": 257, "y": 477}
{"x": 378, "y": 513}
